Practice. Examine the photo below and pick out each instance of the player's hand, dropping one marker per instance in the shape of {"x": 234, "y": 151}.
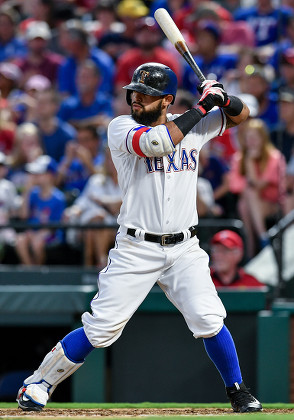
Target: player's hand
{"x": 213, "y": 96}
{"x": 208, "y": 84}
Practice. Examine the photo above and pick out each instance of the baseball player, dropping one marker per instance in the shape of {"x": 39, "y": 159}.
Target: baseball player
{"x": 156, "y": 157}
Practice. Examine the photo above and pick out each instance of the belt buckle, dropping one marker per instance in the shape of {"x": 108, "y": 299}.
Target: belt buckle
{"x": 164, "y": 238}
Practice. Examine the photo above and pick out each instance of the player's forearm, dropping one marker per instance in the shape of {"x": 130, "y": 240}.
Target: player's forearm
{"x": 179, "y": 127}
{"x": 236, "y": 112}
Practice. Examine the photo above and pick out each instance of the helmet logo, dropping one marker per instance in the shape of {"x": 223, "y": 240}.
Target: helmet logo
{"x": 144, "y": 74}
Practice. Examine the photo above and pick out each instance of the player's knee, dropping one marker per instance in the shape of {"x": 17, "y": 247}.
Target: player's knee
{"x": 207, "y": 326}
{"x": 101, "y": 333}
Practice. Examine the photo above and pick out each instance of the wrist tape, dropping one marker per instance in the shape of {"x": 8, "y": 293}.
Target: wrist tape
{"x": 234, "y": 107}
{"x": 190, "y": 118}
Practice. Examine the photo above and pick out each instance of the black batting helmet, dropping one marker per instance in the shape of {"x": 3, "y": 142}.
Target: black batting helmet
{"x": 153, "y": 79}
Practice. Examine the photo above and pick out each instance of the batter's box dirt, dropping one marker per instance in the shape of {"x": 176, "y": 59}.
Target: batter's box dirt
{"x": 127, "y": 412}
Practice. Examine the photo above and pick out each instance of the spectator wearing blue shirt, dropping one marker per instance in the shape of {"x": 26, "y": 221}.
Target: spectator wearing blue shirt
{"x": 42, "y": 203}
{"x": 211, "y": 62}
{"x": 267, "y": 21}
{"x": 283, "y": 44}
{"x": 75, "y": 40}
{"x": 82, "y": 159}
{"x": 54, "y": 132}
{"x": 90, "y": 106}
{"x": 10, "y": 45}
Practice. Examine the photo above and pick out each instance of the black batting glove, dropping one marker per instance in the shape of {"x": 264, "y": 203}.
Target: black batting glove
{"x": 213, "y": 96}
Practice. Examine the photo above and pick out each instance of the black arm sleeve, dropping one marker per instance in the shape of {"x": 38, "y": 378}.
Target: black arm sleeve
{"x": 235, "y": 106}
{"x": 187, "y": 120}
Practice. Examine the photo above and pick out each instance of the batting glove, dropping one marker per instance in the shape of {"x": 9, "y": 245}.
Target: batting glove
{"x": 208, "y": 84}
{"x": 213, "y": 96}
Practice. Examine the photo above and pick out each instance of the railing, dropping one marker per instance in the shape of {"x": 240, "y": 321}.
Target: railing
{"x": 276, "y": 235}
{"x": 206, "y": 227}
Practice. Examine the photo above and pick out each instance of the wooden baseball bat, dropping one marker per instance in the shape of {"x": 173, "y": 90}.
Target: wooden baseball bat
{"x": 172, "y": 32}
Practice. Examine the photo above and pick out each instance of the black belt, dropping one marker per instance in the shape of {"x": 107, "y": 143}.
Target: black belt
{"x": 167, "y": 239}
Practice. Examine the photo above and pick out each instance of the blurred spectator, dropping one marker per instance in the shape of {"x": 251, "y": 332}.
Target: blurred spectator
{"x": 63, "y": 12}
{"x": 283, "y": 139}
{"x": 148, "y": 38}
{"x": 290, "y": 185}
{"x": 90, "y": 105}
{"x": 115, "y": 44}
{"x": 223, "y": 147}
{"x": 186, "y": 17}
{"x": 234, "y": 34}
{"x": 42, "y": 203}
{"x": 129, "y": 11}
{"x": 24, "y": 103}
{"x": 10, "y": 75}
{"x": 257, "y": 81}
{"x": 39, "y": 59}
{"x": 54, "y": 132}
{"x": 216, "y": 172}
{"x": 283, "y": 135}
{"x": 258, "y": 177}
{"x": 11, "y": 45}
{"x": 105, "y": 19}
{"x": 27, "y": 147}
{"x": 253, "y": 106}
{"x": 76, "y": 41}
{"x": 82, "y": 159}
{"x": 172, "y": 6}
{"x": 206, "y": 206}
{"x": 8, "y": 205}
{"x": 233, "y": 79}
{"x": 267, "y": 21}
{"x": 7, "y": 132}
{"x": 283, "y": 44}
{"x": 227, "y": 252}
{"x": 99, "y": 202}
{"x": 184, "y": 101}
{"x": 38, "y": 10}
{"x": 212, "y": 63}
{"x": 287, "y": 68}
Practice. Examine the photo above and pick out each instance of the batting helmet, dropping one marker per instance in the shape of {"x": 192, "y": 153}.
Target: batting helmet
{"x": 153, "y": 79}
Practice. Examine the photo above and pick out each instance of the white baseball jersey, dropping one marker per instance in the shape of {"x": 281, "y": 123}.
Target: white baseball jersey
{"x": 159, "y": 193}
{"x": 159, "y": 196}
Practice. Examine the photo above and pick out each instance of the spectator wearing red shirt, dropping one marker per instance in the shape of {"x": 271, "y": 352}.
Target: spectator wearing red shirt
{"x": 39, "y": 59}
{"x": 227, "y": 252}
{"x": 147, "y": 37}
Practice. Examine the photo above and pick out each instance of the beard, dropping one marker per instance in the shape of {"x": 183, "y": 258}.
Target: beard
{"x": 147, "y": 117}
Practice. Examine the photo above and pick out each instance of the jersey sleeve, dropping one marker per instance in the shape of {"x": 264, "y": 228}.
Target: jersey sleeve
{"x": 213, "y": 125}
{"x": 124, "y": 135}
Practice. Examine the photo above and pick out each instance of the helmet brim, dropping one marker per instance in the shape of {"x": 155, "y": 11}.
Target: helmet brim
{"x": 140, "y": 87}
{"x": 147, "y": 90}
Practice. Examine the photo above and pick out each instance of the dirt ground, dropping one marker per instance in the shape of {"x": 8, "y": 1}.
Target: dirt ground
{"x": 127, "y": 412}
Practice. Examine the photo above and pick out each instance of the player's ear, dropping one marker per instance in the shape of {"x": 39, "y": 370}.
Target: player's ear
{"x": 167, "y": 100}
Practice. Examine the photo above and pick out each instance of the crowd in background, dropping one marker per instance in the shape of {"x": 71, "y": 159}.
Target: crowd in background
{"x": 62, "y": 67}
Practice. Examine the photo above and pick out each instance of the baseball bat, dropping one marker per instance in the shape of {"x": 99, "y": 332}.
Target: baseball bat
{"x": 172, "y": 32}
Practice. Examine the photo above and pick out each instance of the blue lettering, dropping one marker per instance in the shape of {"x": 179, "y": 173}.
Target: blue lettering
{"x": 171, "y": 163}
{"x": 148, "y": 163}
{"x": 158, "y": 164}
{"x": 193, "y": 156}
{"x": 184, "y": 160}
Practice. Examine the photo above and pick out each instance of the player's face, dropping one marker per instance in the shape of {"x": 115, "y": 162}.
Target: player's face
{"x": 146, "y": 109}
{"x": 223, "y": 258}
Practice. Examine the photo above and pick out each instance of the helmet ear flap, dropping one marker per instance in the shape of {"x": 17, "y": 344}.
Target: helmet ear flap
{"x": 128, "y": 97}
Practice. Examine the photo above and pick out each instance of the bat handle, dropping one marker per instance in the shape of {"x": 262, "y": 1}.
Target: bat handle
{"x": 182, "y": 48}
